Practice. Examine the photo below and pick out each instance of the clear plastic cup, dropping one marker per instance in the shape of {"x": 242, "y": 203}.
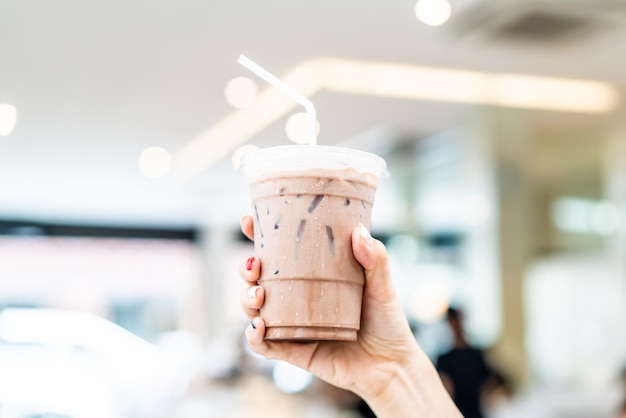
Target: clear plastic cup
{"x": 306, "y": 202}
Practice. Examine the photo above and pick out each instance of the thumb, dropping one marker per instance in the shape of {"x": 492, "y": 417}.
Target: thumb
{"x": 372, "y": 255}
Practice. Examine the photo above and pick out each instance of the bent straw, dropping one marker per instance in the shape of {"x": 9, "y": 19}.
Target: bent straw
{"x": 306, "y": 103}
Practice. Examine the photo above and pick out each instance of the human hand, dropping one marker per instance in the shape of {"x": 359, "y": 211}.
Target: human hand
{"x": 384, "y": 344}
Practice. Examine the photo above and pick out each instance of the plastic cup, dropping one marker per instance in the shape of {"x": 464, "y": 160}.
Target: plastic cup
{"x": 306, "y": 202}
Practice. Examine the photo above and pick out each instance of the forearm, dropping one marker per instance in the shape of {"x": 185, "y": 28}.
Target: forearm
{"x": 415, "y": 390}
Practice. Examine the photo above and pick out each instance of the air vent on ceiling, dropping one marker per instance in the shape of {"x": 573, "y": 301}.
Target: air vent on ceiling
{"x": 543, "y": 21}
{"x": 542, "y": 25}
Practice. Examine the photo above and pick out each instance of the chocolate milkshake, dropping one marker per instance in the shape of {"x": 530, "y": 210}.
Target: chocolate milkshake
{"x": 303, "y": 219}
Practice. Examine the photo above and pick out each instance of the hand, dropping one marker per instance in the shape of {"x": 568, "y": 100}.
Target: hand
{"x": 384, "y": 342}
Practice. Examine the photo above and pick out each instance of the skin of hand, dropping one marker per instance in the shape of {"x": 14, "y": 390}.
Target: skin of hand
{"x": 385, "y": 366}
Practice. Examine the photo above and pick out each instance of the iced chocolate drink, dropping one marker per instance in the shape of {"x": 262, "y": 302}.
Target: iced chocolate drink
{"x": 303, "y": 219}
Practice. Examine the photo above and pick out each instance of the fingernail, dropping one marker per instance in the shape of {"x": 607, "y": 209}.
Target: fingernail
{"x": 252, "y": 291}
{"x": 252, "y": 324}
{"x": 249, "y": 262}
{"x": 365, "y": 234}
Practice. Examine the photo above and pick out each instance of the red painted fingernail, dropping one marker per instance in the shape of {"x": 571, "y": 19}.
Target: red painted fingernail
{"x": 249, "y": 262}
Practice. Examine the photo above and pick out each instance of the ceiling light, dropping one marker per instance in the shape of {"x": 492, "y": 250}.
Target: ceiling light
{"x": 473, "y": 87}
{"x": 433, "y": 12}
{"x": 155, "y": 162}
{"x": 241, "y": 92}
{"x": 297, "y": 128}
{"x": 8, "y": 117}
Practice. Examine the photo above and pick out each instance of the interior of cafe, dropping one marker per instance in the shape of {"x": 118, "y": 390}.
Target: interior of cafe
{"x": 122, "y": 126}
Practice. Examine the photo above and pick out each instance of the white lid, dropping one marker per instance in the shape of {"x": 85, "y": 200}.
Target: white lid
{"x": 303, "y": 157}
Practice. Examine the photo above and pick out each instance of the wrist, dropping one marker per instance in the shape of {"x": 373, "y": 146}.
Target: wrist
{"x": 413, "y": 388}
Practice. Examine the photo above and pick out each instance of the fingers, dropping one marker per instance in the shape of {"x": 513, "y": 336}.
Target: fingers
{"x": 369, "y": 252}
{"x": 253, "y": 296}
{"x": 247, "y": 226}
{"x": 250, "y": 269}
{"x": 251, "y": 300}
{"x": 381, "y": 306}
{"x": 372, "y": 255}
{"x": 297, "y": 353}
{"x": 254, "y": 334}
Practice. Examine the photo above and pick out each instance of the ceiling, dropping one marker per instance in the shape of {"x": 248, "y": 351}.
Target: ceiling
{"x": 95, "y": 83}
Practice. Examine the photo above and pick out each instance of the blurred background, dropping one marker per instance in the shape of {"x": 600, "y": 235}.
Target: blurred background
{"x": 121, "y": 123}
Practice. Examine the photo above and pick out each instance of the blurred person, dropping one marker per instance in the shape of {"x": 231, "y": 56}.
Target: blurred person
{"x": 385, "y": 366}
{"x": 464, "y": 371}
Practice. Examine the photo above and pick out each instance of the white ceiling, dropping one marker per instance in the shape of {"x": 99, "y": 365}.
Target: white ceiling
{"x": 97, "y": 82}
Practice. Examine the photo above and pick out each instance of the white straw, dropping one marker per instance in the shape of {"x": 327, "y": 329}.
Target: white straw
{"x": 306, "y": 103}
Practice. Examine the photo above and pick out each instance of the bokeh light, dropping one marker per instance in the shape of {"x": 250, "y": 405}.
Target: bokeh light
{"x": 298, "y": 128}
{"x": 8, "y": 118}
{"x": 433, "y": 12}
{"x": 430, "y": 300}
{"x": 291, "y": 379}
{"x": 241, "y": 92}
{"x": 155, "y": 162}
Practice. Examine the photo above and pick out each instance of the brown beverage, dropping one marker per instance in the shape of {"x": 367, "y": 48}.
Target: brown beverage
{"x": 303, "y": 219}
